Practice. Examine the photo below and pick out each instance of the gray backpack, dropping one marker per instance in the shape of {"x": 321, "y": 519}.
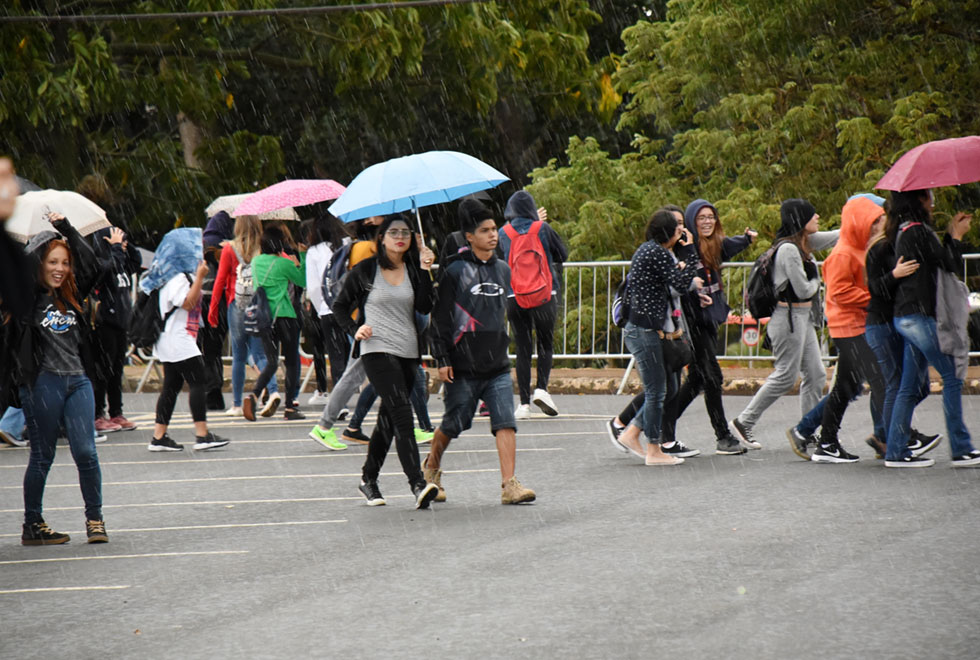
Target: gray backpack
{"x": 244, "y": 286}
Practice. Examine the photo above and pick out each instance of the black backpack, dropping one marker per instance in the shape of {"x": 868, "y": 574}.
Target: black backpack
{"x": 761, "y": 296}
{"x": 146, "y": 324}
{"x": 335, "y": 273}
{"x": 621, "y": 304}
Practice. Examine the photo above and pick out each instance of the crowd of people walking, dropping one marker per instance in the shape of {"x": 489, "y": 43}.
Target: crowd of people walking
{"x": 370, "y": 301}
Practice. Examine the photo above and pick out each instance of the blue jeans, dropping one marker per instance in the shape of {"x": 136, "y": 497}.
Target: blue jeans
{"x": 369, "y": 396}
{"x": 463, "y": 395}
{"x": 241, "y": 346}
{"x": 13, "y": 422}
{"x": 811, "y": 421}
{"x": 647, "y": 351}
{"x": 889, "y": 348}
{"x": 51, "y": 402}
{"x": 922, "y": 349}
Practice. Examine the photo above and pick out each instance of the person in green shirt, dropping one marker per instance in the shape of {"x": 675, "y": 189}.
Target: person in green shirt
{"x": 273, "y": 272}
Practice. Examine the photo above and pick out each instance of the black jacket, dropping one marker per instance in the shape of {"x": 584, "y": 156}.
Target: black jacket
{"x": 358, "y": 285}
{"x": 916, "y": 294}
{"x": 114, "y": 292}
{"x": 469, "y": 324}
{"x": 23, "y": 338}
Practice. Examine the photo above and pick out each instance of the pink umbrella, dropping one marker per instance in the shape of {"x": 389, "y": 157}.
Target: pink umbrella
{"x": 293, "y": 192}
{"x": 935, "y": 164}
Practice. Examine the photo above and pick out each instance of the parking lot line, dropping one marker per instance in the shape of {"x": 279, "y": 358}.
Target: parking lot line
{"x": 226, "y": 503}
{"x": 50, "y": 589}
{"x": 149, "y": 555}
{"x": 181, "y": 528}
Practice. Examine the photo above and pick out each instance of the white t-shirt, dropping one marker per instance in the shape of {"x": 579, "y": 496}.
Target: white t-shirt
{"x": 178, "y": 341}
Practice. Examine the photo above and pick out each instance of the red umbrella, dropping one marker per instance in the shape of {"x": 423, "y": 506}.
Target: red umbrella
{"x": 292, "y": 192}
{"x": 935, "y": 164}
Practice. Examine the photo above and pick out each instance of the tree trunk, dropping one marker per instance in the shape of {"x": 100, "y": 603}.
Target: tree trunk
{"x": 191, "y": 137}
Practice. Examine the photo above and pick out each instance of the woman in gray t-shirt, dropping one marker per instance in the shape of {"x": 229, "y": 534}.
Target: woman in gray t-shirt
{"x": 385, "y": 291}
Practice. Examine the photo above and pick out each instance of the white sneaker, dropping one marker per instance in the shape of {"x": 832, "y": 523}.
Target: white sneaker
{"x": 269, "y": 409}
{"x": 101, "y": 438}
{"x": 317, "y": 399}
{"x": 543, "y": 401}
{"x": 523, "y": 411}
{"x": 234, "y": 411}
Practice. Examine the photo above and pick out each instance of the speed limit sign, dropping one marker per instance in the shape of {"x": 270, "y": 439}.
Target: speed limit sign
{"x": 750, "y": 336}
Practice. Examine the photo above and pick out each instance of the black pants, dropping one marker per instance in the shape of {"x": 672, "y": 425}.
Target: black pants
{"x": 174, "y": 376}
{"x": 704, "y": 374}
{"x": 284, "y": 332}
{"x": 211, "y": 341}
{"x": 393, "y": 378}
{"x": 542, "y": 321}
{"x": 334, "y": 342}
{"x": 856, "y": 363}
{"x": 109, "y": 349}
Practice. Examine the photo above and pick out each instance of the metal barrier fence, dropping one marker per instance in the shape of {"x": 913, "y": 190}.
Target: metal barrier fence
{"x": 585, "y": 330}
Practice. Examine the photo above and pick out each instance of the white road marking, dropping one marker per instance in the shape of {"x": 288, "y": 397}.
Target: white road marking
{"x": 221, "y": 526}
{"x": 141, "y": 505}
{"x": 49, "y": 589}
{"x": 144, "y": 556}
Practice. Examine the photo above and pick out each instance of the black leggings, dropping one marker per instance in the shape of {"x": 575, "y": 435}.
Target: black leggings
{"x": 285, "y": 331}
{"x": 542, "y": 321}
{"x": 393, "y": 378}
{"x": 856, "y": 363}
{"x": 175, "y": 374}
{"x": 110, "y": 347}
{"x": 704, "y": 374}
{"x": 334, "y": 340}
{"x": 211, "y": 341}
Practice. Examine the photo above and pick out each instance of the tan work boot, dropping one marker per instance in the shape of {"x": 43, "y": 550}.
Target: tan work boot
{"x": 514, "y": 493}
{"x": 435, "y": 477}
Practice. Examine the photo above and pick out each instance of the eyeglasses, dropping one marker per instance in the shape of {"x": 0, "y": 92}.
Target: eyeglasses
{"x": 705, "y": 218}
{"x": 399, "y": 233}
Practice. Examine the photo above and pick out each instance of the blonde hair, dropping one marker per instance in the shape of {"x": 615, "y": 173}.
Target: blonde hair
{"x": 248, "y": 234}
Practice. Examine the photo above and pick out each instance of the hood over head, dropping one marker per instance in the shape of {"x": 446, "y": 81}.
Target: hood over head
{"x": 795, "y": 213}
{"x": 521, "y": 205}
{"x": 691, "y": 212}
{"x": 180, "y": 251}
{"x": 221, "y": 227}
{"x": 857, "y": 216}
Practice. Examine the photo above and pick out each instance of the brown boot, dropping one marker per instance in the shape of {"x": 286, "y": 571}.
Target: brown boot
{"x": 514, "y": 493}
{"x": 434, "y": 477}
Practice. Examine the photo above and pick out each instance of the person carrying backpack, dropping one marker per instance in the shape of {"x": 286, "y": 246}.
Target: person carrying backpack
{"x": 792, "y": 326}
{"x": 234, "y": 286}
{"x": 181, "y": 253}
{"x": 918, "y": 309}
{"x": 535, "y": 254}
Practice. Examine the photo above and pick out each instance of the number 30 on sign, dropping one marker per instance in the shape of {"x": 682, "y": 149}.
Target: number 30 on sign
{"x": 750, "y": 336}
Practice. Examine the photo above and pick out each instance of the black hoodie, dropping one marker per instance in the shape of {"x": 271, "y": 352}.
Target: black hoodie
{"x": 469, "y": 322}
{"x": 114, "y": 292}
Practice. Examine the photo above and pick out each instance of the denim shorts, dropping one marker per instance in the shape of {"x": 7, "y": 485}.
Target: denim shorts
{"x": 463, "y": 395}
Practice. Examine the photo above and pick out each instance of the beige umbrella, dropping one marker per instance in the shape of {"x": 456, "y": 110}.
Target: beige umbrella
{"x": 228, "y": 204}
{"x": 31, "y": 209}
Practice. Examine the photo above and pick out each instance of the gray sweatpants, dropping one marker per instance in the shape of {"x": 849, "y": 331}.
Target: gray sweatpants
{"x": 343, "y": 390}
{"x": 796, "y": 352}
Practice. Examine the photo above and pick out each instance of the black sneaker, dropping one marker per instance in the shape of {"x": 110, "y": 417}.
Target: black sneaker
{"x": 680, "y": 450}
{"x": 343, "y": 414}
{"x": 164, "y": 444}
{"x": 730, "y": 446}
{"x": 614, "y": 432}
{"x": 95, "y": 529}
{"x": 832, "y": 453}
{"x": 799, "y": 442}
{"x": 292, "y": 414}
{"x": 424, "y": 493}
{"x": 910, "y": 462}
{"x": 210, "y": 441}
{"x": 40, "y": 534}
{"x": 743, "y": 433}
{"x": 920, "y": 443}
{"x": 372, "y": 493}
{"x": 355, "y": 435}
{"x": 876, "y": 444}
{"x": 967, "y": 460}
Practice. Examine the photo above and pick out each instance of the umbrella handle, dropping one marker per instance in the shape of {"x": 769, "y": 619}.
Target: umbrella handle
{"x": 418, "y": 218}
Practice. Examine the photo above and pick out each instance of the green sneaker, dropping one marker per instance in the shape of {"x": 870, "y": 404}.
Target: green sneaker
{"x": 327, "y": 438}
{"x": 422, "y": 437}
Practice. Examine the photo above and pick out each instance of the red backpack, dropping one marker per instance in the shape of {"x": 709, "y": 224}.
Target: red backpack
{"x": 530, "y": 272}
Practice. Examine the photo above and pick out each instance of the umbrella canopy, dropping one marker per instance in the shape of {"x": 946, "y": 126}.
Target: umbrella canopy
{"x": 26, "y": 185}
{"x": 288, "y": 194}
{"x": 31, "y": 208}
{"x": 935, "y": 164}
{"x": 411, "y": 182}
{"x": 228, "y": 204}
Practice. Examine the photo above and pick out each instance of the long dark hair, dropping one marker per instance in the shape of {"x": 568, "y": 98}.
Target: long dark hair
{"x": 273, "y": 240}
{"x": 907, "y": 207}
{"x": 661, "y": 226}
{"x": 326, "y": 228}
{"x": 363, "y": 231}
{"x": 411, "y": 255}
{"x": 68, "y": 291}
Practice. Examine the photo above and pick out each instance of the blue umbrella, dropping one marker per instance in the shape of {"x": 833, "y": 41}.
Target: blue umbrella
{"x": 411, "y": 182}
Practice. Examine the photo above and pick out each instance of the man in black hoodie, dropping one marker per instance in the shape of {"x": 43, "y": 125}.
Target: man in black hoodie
{"x": 469, "y": 343}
